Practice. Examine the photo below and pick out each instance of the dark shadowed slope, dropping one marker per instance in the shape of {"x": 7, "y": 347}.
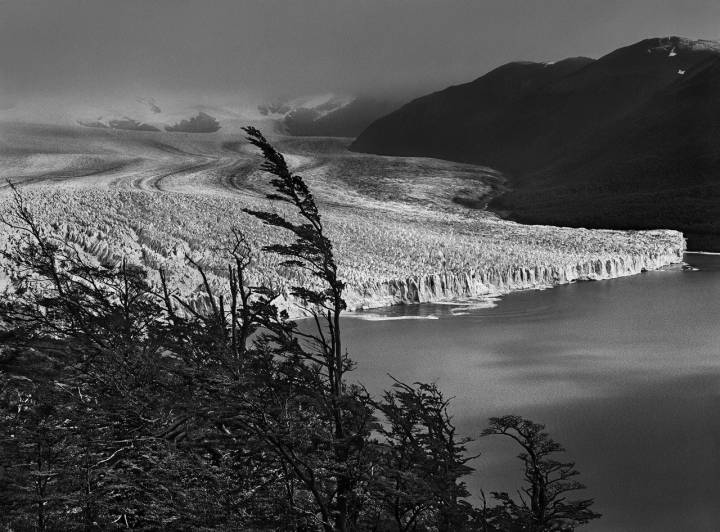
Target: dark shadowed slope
{"x": 626, "y": 141}
{"x": 478, "y": 120}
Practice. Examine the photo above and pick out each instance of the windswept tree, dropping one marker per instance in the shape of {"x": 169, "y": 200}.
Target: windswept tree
{"x": 124, "y": 404}
{"x": 542, "y": 503}
{"x": 423, "y": 461}
{"x": 319, "y": 354}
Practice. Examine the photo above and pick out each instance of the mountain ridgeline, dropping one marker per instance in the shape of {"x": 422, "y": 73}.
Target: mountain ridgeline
{"x": 627, "y": 141}
{"x": 346, "y": 121}
{"x": 329, "y": 115}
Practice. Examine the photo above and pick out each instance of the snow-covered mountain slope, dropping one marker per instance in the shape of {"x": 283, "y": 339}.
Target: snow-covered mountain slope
{"x": 329, "y": 115}
{"x": 319, "y": 104}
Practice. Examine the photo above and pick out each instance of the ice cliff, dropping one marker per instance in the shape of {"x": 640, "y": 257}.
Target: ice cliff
{"x": 494, "y": 281}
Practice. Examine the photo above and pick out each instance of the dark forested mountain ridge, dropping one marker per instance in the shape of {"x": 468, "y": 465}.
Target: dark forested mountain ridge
{"x": 625, "y": 141}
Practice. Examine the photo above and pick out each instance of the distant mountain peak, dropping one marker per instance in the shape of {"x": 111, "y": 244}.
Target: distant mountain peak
{"x": 327, "y": 114}
{"x": 317, "y": 104}
{"x": 671, "y": 46}
{"x": 629, "y": 140}
{"x": 200, "y": 123}
{"x": 679, "y": 44}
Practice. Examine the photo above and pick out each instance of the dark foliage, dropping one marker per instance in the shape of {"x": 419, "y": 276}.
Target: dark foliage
{"x": 542, "y": 503}
{"x": 423, "y": 461}
{"x": 123, "y": 406}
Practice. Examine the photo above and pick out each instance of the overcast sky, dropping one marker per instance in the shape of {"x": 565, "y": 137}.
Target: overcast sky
{"x": 294, "y": 47}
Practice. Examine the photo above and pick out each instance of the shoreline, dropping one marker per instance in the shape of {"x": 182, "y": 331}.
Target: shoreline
{"x": 487, "y": 294}
{"x": 485, "y": 283}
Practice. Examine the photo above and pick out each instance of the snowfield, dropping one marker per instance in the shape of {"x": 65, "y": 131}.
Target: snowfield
{"x": 401, "y": 226}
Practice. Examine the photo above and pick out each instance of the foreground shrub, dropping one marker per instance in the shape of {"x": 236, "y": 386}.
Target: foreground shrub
{"x": 126, "y": 406}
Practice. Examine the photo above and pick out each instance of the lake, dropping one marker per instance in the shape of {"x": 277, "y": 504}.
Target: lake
{"x": 625, "y": 373}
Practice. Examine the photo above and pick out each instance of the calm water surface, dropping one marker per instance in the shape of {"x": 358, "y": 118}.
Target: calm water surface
{"x": 625, "y": 373}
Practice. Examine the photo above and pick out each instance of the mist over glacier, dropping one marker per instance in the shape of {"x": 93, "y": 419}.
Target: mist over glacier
{"x": 64, "y": 59}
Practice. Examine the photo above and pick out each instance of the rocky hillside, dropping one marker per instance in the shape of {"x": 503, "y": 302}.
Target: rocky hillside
{"x": 625, "y": 141}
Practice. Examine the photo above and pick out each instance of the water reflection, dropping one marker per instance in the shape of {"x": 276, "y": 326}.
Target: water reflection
{"x": 626, "y": 373}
